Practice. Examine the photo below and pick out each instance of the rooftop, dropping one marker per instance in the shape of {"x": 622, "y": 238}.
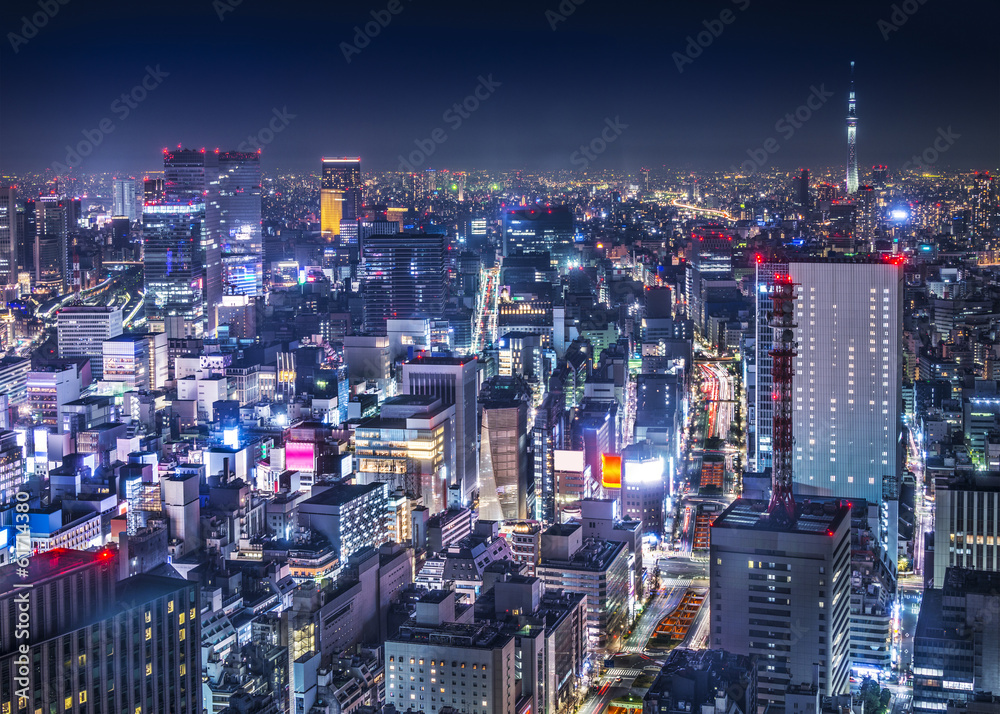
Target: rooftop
{"x": 813, "y": 517}
{"x": 339, "y": 494}
{"x": 52, "y": 563}
{"x": 442, "y": 361}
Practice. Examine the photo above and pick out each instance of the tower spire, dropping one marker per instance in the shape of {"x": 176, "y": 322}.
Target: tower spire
{"x": 852, "y": 128}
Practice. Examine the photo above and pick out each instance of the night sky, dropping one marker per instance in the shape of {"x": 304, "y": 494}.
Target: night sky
{"x": 557, "y": 88}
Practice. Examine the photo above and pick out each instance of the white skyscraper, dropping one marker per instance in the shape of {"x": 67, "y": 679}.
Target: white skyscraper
{"x": 123, "y": 198}
{"x": 82, "y": 329}
{"x": 846, "y": 421}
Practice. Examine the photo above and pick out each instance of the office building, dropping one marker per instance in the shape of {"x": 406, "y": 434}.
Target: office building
{"x": 966, "y": 524}
{"x": 48, "y": 390}
{"x": 866, "y": 223}
{"x": 547, "y": 436}
{"x": 468, "y": 667}
{"x": 984, "y": 208}
{"x": 101, "y": 646}
{"x": 506, "y": 492}
{"x": 124, "y": 199}
{"x": 52, "y": 224}
{"x": 537, "y": 230}
{"x": 82, "y": 329}
{"x": 14, "y": 379}
{"x": 956, "y": 644}
{"x": 847, "y": 385}
{"x": 643, "y": 481}
{"x": 454, "y": 381}
{"x": 595, "y": 567}
{"x": 782, "y": 593}
{"x": 340, "y": 193}
{"x": 802, "y": 192}
{"x": 174, "y": 265}
{"x": 152, "y": 189}
{"x": 9, "y": 235}
{"x": 351, "y": 517}
{"x": 182, "y": 255}
{"x": 698, "y": 680}
{"x": 404, "y": 276}
{"x": 239, "y": 205}
{"x": 425, "y": 429}
{"x": 11, "y": 467}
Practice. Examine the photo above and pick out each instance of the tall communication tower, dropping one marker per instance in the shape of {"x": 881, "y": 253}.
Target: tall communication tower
{"x": 852, "y": 130}
{"x": 782, "y": 505}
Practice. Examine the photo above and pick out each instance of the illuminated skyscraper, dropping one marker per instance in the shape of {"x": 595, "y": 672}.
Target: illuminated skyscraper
{"x": 866, "y": 218}
{"x": 847, "y": 384}
{"x": 852, "y": 128}
{"x": 340, "y": 193}
{"x": 8, "y": 235}
{"x": 983, "y": 206}
{"x": 404, "y": 276}
{"x": 51, "y": 232}
{"x": 123, "y": 199}
{"x": 239, "y": 222}
{"x": 182, "y": 255}
{"x": 880, "y": 176}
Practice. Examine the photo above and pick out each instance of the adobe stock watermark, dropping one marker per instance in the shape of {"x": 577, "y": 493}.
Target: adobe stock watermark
{"x": 704, "y": 39}
{"x": 786, "y": 126}
{"x": 454, "y": 117}
{"x": 120, "y": 107}
{"x": 363, "y": 36}
{"x": 222, "y": 7}
{"x": 929, "y": 156}
{"x": 901, "y": 12}
{"x": 613, "y": 128}
{"x": 280, "y": 119}
{"x": 31, "y": 25}
{"x": 22, "y": 601}
{"x": 562, "y": 12}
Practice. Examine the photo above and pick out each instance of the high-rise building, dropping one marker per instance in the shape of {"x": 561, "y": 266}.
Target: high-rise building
{"x": 454, "y": 380}
{"x": 410, "y": 446}
{"x": 174, "y": 264}
{"x": 966, "y": 524}
{"x": 846, "y": 386}
{"x": 83, "y": 624}
{"x": 352, "y": 517}
{"x": 50, "y": 252}
{"x": 473, "y": 666}
{"x": 781, "y": 591}
{"x": 11, "y": 467}
{"x": 866, "y": 222}
{"x": 852, "y": 131}
{"x": 82, "y": 329}
{"x": 547, "y": 436}
{"x": 592, "y": 566}
{"x": 9, "y": 240}
{"x": 124, "y": 199}
{"x": 956, "y": 644}
{"x": 152, "y": 190}
{"x": 802, "y": 192}
{"x": 537, "y": 230}
{"x": 984, "y": 200}
{"x": 340, "y": 193}
{"x": 182, "y": 252}
{"x": 880, "y": 176}
{"x": 239, "y": 205}
{"x": 404, "y": 276}
{"x": 503, "y": 467}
